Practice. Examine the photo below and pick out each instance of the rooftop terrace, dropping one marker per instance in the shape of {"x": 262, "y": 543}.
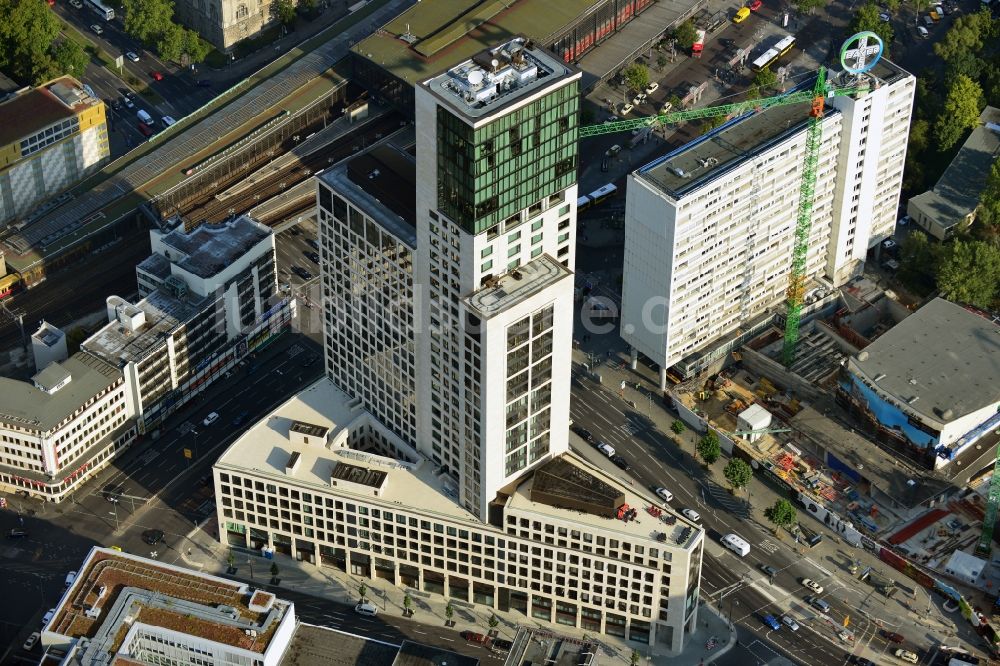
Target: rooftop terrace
{"x": 37, "y": 108}
{"x": 210, "y": 248}
{"x": 516, "y": 286}
{"x": 115, "y": 591}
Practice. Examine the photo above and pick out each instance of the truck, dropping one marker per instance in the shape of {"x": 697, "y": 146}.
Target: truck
{"x": 699, "y": 44}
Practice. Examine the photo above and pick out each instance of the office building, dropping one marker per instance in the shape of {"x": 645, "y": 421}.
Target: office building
{"x": 321, "y": 480}
{"x": 225, "y": 23}
{"x": 62, "y": 427}
{"x": 928, "y": 385}
{"x": 709, "y": 228}
{"x": 208, "y": 299}
{"x": 951, "y": 204}
{"x": 122, "y": 608}
{"x": 50, "y": 137}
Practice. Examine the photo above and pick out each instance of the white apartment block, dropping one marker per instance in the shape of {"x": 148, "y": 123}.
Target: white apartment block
{"x": 209, "y": 299}
{"x": 59, "y": 429}
{"x": 709, "y": 228}
{"x": 122, "y": 608}
{"x": 320, "y": 479}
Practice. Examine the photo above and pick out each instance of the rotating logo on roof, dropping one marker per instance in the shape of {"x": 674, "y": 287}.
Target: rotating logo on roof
{"x": 860, "y": 52}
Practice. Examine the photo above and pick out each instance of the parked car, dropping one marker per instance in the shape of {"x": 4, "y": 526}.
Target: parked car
{"x": 862, "y": 661}
{"x": 48, "y": 616}
{"x": 473, "y": 637}
{"x": 132, "y": 55}
{"x": 210, "y": 419}
{"x": 769, "y": 570}
{"x": 157, "y": 76}
{"x": 923, "y": 32}
{"x": 664, "y": 494}
{"x": 771, "y": 622}
{"x": 691, "y": 515}
{"x": 313, "y": 243}
{"x": 884, "y": 16}
{"x": 127, "y": 103}
{"x": 818, "y": 604}
{"x": 312, "y": 256}
{"x": 755, "y": 5}
{"x": 627, "y": 109}
{"x": 76, "y": 4}
{"x": 204, "y": 83}
{"x": 652, "y": 87}
{"x": 17, "y": 534}
{"x": 907, "y": 656}
{"x": 366, "y": 608}
{"x": 502, "y": 644}
{"x": 113, "y": 492}
{"x": 98, "y": 30}
{"x": 145, "y": 129}
{"x": 620, "y": 462}
{"x": 583, "y": 433}
{"x": 240, "y": 418}
{"x": 812, "y": 585}
{"x": 29, "y": 644}
{"x": 302, "y": 273}
{"x": 168, "y": 121}
{"x": 606, "y": 449}
{"x": 742, "y": 14}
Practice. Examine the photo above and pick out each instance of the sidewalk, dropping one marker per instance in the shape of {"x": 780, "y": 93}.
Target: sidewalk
{"x": 204, "y": 553}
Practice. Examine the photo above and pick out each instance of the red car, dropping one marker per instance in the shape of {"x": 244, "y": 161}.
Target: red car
{"x": 156, "y": 76}
{"x": 755, "y": 5}
{"x": 145, "y": 129}
{"x": 473, "y": 637}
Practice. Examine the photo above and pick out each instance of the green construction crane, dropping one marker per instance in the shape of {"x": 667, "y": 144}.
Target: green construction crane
{"x": 985, "y": 544}
{"x": 816, "y": 97}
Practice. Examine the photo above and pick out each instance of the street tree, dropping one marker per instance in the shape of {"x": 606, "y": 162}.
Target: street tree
{"x": 408, "y": 604}
{"x": 988, "y": 213}
{"x": 892, "y": 5}
{"x": 274, "y": 570}
{"x": 737, "y": 473}
{"x": 960, "y": 111}
{"x": 449, "y": 612}
{"x": 363, "y": 591}
{"x": 69, "y": 58}
{"x": 634, "y": 658}
{"x": 170, "y": 42}
{"x": 147, "y": 20}
{"x": 969, "y": 272}
{"x": 196, "y": 48}
{"x": 284, "y": 11}
{"x": 867, "y": 19}
{"x": 307, "y": 7}
{"x": 918, "y": 260}
{"x": 493, "y": 622}
{"x": 678, "y": 426}
{"x": 807, "y": 6}
{"x": 765, "y": 78}
{"x": 636, "y": 76}
{"x": 781, "y": 514}
{"x": 708, "y": 448}
{"x": 231, "y": 561}
{"x": 920, "y": 6}
{"x": 685, "y": 34}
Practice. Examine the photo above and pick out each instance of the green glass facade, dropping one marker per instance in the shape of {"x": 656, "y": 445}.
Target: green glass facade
{"x": 490, "y": 173}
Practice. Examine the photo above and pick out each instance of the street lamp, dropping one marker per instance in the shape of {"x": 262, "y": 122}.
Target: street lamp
{"x": 115, "y": 514}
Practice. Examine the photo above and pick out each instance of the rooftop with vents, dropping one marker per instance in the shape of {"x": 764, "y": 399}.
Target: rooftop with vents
{"x": 210, "y": 248}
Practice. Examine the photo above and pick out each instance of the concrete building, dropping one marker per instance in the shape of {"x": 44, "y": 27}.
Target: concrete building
{"x": 709, "y": 227}
{"x": 224, "y": 23}
{"x": 48, "y": 344}
{"x": 929, "y": 384}
{"x": 59, "y": 429}
{"x": 50, "y": 137}
{"x": 127, "y": 609}
{"x": 210, "y": 298}
{"x": 322, "y": 480}
{"x": 951, "y": 204}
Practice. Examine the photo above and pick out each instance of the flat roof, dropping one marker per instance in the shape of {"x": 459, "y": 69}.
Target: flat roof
{"x": 388, "y": 174}
{"x": 942, "y": 361}
{"x": 386, "y": 202}
{"x": 209, "y": 249}
{"x": 164, "y": 313}
{"x": 35, "y": 109}
{"x": 516, "y": 286}
{"x": 956, "y": 194}
{"x": 717, "y": 153}
{"x": 160, "y": 595}
{"x": 23, "y": 404}
{"x": 418, "y": 654}
{"x": 266, "y": 447}
{"x": 309, "y": 429}
{"x": 322, "y": 646}
{"x": 644, "y": 527}
{"x": 431, "y": 37}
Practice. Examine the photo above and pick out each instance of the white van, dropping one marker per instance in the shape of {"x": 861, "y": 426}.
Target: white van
{"x": 606, "y": 449}
{"x": 144, "y": 117}
{"x": 736, "y": 544}
{"x": 366, "y": 608}
{"x": 923, "y": 32}
{"x": 70, "y": 577}
{"x": 168, "y": 121}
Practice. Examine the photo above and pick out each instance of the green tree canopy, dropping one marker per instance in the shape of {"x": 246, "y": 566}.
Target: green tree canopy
{"x": 197, "y": 49}
{"x": 807, "y": 6}
{"x": 965, "y": 36}
{"x": 737, "y": 473}
{"x": 284, "y": 11}
{"x": 636, "y": 76}
{"x": 867, "y": 18}
{"x": 170, "y": 42}
{"x": 685, "y": 34}
{"x": 969, "y": 272}
{"x": 989, "y": 200}
{"x": 69, "y": 58}
{"x": 781, "y": 513}
{"x": 28, "y": 30}
{"x": 959, "y": 113}
{"x": 148, "y": 20}
{"x": 709, "y": 448}
{"x": 765, "y": 78}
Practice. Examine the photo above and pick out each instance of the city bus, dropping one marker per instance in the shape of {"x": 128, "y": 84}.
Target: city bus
{"x": 602, "y": 193}
{"x": 100, "y": 9}
{"x": 773, "y": 53}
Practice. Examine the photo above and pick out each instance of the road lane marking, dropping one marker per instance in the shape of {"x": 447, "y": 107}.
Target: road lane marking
{"x": 810, "y": 561}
